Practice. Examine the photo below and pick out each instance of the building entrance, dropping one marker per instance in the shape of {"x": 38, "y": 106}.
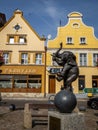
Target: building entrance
{"x": 95, "y": 81}
{"x": 51, "y": 83}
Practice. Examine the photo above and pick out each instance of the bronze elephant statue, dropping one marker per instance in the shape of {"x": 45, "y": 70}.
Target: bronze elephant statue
{"x": 70, "y": 69}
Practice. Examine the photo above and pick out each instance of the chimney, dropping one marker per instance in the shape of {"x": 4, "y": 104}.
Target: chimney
{"x": 2, "y": 19}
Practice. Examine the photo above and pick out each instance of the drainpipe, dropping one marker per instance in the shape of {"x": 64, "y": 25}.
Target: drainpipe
{"x": 45, "y": 72}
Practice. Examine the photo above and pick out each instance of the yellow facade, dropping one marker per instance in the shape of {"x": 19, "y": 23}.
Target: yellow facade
{"x": 24, "y": 55}
{"x": 80, "y": 39}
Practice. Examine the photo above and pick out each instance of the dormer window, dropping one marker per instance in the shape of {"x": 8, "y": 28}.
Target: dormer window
{"x": 82, "y": 40}
{"x": 69, "y": 40}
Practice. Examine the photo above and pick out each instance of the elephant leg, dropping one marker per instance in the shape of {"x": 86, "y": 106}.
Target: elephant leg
{"x": 59, "y": 78}
{"x": 65, "y": 70}
{"x": 68, "y": 82}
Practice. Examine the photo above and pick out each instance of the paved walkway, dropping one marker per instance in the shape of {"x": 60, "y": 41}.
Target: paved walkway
{"x": 13, "y": 120}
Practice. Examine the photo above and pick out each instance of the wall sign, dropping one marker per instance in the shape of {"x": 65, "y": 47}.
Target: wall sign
{"x": 55, "y": 70}
{"x": 19, "y": 71}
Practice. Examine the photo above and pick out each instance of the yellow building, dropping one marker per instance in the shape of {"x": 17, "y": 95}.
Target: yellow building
{"x": 23, "y": 74}
{"x": 79, "y": 39}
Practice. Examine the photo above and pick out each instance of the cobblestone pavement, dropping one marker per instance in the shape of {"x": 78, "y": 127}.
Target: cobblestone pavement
{"x": 13, "y": 120}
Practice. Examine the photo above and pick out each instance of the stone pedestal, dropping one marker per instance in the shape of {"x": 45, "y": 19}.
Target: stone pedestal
{"x": 27, "y": 117}
{"x": 65, "y": 121}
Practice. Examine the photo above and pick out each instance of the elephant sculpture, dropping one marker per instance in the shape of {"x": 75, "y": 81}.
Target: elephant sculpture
{"x": 70, "y": 70}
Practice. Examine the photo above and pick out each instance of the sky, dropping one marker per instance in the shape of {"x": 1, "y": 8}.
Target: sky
{"x": 44, "y": 16}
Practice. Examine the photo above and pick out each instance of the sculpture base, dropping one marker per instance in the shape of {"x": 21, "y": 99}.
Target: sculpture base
{"x": 65, "y": 121}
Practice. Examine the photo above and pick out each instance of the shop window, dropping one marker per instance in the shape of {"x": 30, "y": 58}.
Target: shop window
{"x": 5, "y": 81}
{"x": 69, "y": 40}
{"x": 81, "y": 83}
{"x": 82, "y": 40}
{"x": 38, "y": 59}
{"x": 11, "y": 40}
{"x": 35, "y": 81}
{"x": 83, "y": 59}
{"x": 20, "y": 81}
{"x": 95, "y": 59}
{"x": 24, "y": 58}
{"x": 6, "y": 58}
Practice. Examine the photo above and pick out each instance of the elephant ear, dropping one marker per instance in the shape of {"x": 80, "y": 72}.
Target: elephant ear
{"x": 71, "y": 61}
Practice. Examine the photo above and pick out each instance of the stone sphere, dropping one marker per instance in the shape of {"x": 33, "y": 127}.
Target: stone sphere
{"x": 65, "y": 101}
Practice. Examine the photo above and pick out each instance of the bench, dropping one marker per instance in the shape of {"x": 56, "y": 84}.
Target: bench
{"x": 33, "y": 110}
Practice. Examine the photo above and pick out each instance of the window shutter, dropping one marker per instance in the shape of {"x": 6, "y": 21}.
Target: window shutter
{"x": 9, "y": 58}
{"x": 34, "y": 58}
{"x": 20, "y": 57}
{"x": 28, "y": 58}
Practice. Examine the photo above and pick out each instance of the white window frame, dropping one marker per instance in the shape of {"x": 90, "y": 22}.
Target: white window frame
{"x": 95, "y": 58}
{"x": 24, "y": 58}
{"x": 38, "y": 59}
{"x": 69, "y": 40}
{"x": 83, "y": 59}
{"x": 11, "y": 40}
{"x": 82, "y": 40}
{"x": 21, "y": 40}
{"x": 6, "y": 58}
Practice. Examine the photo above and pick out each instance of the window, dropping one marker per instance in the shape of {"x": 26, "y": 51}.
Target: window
{"x": 95, "y": 81}
{"x": 81, "y": 82}
{"x": 69, "y": 40}
{"x": 11, "y": 40}
{"x": 76, "y": 25}
{"x": 83, "y": 59}
{"x": 5, "y": 81}
{"x": 24, "y": 58}
{"x": 6, "y": 58}
{"x": 82, "y": 40}
{"x": 16, "y": 39}
{"x": 95, "y": 59}
{"x": 38, "y": 59}
{"x": 22, "y": 40}
{"x": 20, "y": 81}
{"x": 17, "y": 27}
{"x": 35, "y": 81}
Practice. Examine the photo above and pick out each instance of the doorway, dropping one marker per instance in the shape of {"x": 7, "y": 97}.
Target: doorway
{"x": 95, "y": 81}
{"x": 51, "y": 83}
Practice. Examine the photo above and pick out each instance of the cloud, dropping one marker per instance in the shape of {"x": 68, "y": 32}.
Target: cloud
{"x": 52, "y": 12}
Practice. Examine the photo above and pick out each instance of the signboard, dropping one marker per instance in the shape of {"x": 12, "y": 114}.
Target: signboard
{"x": 55, "y": 70}
{"x": 90, "y": 90}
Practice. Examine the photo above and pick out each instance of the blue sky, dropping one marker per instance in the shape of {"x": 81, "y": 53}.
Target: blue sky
{"x": 44, "y": 15}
